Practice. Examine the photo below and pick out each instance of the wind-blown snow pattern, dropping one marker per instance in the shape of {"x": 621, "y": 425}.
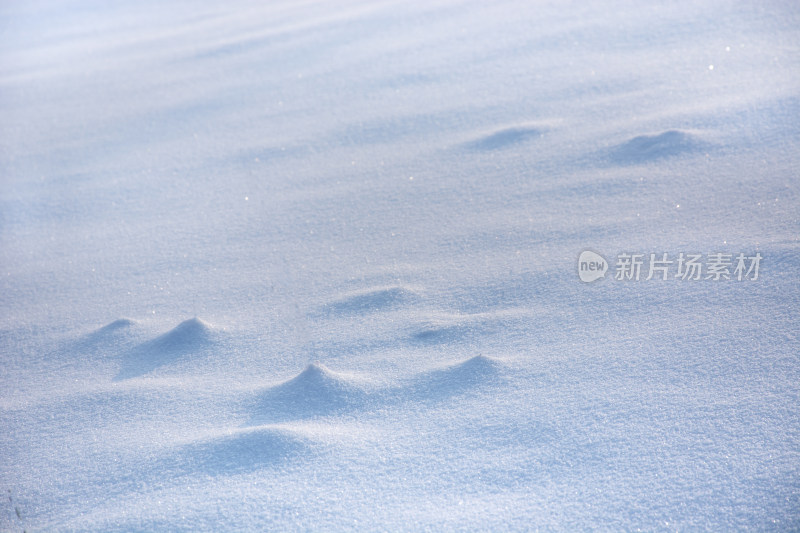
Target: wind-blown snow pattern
{"x": 313, "y": 266}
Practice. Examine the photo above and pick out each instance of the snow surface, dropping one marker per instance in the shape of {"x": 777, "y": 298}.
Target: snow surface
{"x": 312, "y": 265}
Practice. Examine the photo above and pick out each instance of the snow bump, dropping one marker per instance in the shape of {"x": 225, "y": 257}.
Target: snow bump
{"x": 120, "y": 323}
{"x": 459, "y": 378}
{"x": 110, "y": 331}
{"x": 374, "y": 299}
{"x": 189, "y": 337}
{"x": 316, "y": 391}
{"x": 646, "y": 148}
{"x": 244, "y": 449}
{"x": 186, "y": 335}
{"x": 506, "y": 137}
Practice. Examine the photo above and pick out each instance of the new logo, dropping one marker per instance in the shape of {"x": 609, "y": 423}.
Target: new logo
{"x": 591, "y": 266}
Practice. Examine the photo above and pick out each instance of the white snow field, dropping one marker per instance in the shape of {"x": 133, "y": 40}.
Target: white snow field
{"x": 305, "y": 265}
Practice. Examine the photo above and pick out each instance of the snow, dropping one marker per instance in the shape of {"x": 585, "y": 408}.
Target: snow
{"x": 313, "y": 265}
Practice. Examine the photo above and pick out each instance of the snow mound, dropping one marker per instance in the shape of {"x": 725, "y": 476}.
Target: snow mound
{"x": 506, "y": 137}
{"x": 459, "y": 378}
{"x": 453, "y": 327}
{"x": 316, "y": 391}
{"x": 120, "y": 323}
{"x": 645, "y": 148}
{"x": 243, "y": 449}
{"x": 185, "y": 336}
{"x": 477, "y": 367}
{"x": 374, "y": 299}
{"x": 110, "y": 335}
{"x": 190, "y": 336}
{"x": 435, "y": 333}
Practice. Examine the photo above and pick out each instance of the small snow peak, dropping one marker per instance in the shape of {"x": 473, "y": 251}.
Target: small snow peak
{"x": 120, "y": 323}
{"x": 116, "y": 325}
{"x": 193, "y": 325}
{"x": 480, "y": 363}
{"x": 189, "y": 334}
{"x": 315, "y": 371}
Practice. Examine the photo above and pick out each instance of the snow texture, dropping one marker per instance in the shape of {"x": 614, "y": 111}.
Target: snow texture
{"x": 291, "y": 266}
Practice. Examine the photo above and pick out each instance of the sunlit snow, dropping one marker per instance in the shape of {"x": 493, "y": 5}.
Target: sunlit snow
{"x": 292, "y": 266}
